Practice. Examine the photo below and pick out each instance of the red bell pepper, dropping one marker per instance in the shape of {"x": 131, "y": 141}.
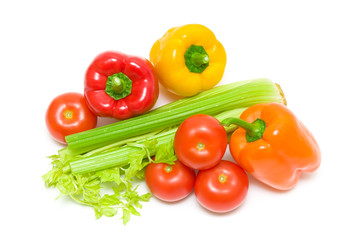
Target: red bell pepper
{"x": 120, "y": 86}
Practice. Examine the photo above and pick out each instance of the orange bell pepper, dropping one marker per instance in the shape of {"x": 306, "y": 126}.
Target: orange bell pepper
{"x": 273, "y": 145}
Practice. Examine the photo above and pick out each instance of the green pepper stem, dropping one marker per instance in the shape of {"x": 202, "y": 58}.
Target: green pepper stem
{"x": 241, "y": 123}
{"x": 196, "y": 59}
{"x": 118, "y": 86}
{"x": 199, "y": 59}
{"x": 254, "y": 130}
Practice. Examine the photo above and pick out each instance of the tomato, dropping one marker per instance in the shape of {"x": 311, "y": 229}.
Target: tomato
{"x": 221, "y": 188}
{"x": 200, "y": 142}
{"x": 169, "y": 183}
{"x": 68, "y": 114}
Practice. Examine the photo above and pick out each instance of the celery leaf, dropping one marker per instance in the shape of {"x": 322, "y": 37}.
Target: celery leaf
{"x": 165, "y": 153}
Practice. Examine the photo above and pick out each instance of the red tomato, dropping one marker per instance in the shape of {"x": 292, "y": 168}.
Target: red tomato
{"x": 221, "y": 188}
{"x": 169, "y": 182}
{"x": 68, "y": 114}
{"x": 200, "y": 142}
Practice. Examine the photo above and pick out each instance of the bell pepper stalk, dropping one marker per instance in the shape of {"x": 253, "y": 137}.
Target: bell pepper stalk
{"x": 120, "y": 86}
{"x": 188, "y": 59}
{"x": 273, "y": 145}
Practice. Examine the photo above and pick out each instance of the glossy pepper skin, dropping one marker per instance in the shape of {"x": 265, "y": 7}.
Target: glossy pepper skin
{"x": 285, "y": 149}
{"x": 188, "y": 59}
{"x": 120, "y": 86}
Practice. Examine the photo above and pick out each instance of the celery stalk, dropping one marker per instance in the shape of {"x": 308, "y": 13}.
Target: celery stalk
{"x": 240, "y": 94}
{"x": 120, "y": 157}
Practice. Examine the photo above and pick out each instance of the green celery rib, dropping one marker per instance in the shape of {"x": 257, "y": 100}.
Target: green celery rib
{"x": 235, "y": 95}
{"x": 120, "y": 156}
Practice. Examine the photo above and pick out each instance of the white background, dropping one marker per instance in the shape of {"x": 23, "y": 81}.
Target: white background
{"x": 311, "y": 48}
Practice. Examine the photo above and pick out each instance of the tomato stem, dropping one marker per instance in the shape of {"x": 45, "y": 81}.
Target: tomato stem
{"x": 200, "y": 146}
{"x": 168, "y": 168}
{"x": 222, "y": 178}
{"x": 68, "y": 114}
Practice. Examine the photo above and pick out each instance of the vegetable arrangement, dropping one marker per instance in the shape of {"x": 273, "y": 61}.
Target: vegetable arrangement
{"x": 179, "y": 147}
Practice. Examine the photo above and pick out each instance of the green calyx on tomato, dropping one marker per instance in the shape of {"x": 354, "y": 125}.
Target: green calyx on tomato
{"x": 118, "y": 86}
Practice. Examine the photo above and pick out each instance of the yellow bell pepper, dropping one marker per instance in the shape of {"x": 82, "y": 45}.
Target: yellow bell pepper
{"x": 188, "y": 59}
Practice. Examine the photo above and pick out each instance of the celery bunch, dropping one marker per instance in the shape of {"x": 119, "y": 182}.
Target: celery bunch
{"x": 118, "y": 153}
{"x": 214, "y": 101}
